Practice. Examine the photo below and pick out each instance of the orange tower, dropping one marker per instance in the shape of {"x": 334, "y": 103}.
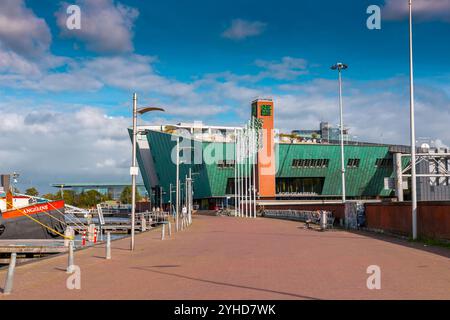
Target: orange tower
{"x": 266, "y": 166}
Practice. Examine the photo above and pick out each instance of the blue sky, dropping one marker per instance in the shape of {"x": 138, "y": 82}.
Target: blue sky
{"x": 65, "y": 94}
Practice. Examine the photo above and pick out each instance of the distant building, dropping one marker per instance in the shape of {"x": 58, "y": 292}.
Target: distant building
{"x": 326, "y": 133}
{"x": 114, "y": 190}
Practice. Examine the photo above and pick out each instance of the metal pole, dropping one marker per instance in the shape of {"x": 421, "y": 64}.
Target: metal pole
{"x": 186, "y": 200}
{"x": 133, "y": 174}
{"x": 70, "y": 262}
{"x": 170, "y": 199}
{"x": 244, "y": 172}
{"x": 241, "y": 151}
{"x": 10, "y": 275}
{"x": 178, "y": 185}
{"x": 191, "y": 195}
{"x": 108, "y": 245}
{"x": 254, "y": 170}
{"x": 342, "y": 136}
{"x": 161, "y": 198}
{"x": 247, "y": 180}
{"x": 398, "y": 176}
{"x": 238, "y": 170}
{"x": 235, "y": 174}
{"x": 413, "y": 130}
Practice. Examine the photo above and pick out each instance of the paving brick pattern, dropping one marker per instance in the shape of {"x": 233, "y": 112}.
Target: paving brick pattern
{"x": 230, "y": 258}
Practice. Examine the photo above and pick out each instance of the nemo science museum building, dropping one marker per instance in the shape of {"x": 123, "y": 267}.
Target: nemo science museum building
{"x": 306, "y": 165}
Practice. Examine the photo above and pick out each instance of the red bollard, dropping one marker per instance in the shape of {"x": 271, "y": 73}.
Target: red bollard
{"x": 83, "y": 238}
{"x": 95, "y": 235}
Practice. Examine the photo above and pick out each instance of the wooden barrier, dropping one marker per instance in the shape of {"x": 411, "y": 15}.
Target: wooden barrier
{"x": 433, "y": 218}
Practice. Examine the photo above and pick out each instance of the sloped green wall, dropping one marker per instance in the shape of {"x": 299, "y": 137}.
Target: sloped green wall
{"x": 365, "y": 181}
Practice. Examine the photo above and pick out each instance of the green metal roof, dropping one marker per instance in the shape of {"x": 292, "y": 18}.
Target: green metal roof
{"x": 367, "y": 180}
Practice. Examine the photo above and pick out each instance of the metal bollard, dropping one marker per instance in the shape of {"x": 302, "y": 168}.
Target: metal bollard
{"x": 143, "y": 225}
{"x": 69, "y": 233}
{"x": 108, "y": 245}
{"x": 170, "y": 228}
{"x": 70, "y": 259}
{"x": 10, "y": 275}
{"x": 163, "y": 231}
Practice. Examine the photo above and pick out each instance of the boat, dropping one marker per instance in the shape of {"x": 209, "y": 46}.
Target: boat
{"x": 26, "y": 217}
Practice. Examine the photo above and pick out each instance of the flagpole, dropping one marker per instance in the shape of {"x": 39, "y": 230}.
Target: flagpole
{"x": 254, "y": 167}
{"x": 235, "y": 174}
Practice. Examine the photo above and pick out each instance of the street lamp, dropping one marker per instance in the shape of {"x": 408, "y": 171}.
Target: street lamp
{"x": 177, "y": 204}
{"x": 134, "y": 170}
{"x": 412, "y": 128}
{"x": 340, "y": 66}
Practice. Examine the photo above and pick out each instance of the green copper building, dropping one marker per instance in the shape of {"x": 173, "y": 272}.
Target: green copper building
{"x": 306, "y": 170}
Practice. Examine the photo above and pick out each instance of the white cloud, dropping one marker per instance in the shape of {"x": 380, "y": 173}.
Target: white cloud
{"x": 241, "y": 29}
{"x": 21, "y": 30}
{"x": 423, "y": 10}
{"x": 106, "y": 26}
{"x": 52, "y": 146}
{"x": 288, "y": 68}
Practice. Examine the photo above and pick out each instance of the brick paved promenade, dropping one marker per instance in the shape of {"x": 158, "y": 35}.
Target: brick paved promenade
{"x": 229, "y": 258}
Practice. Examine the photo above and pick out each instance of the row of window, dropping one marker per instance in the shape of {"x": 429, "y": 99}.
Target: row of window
{"x": 351, "y": 163}
{"x": 310, "y": 163}
{"x": 224, "y": 164}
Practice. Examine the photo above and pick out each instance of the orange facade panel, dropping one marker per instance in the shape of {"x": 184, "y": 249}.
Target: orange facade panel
{"x": 264, "y": 110}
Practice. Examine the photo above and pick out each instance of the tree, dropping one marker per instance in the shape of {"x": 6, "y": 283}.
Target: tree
{"x": 90, "y": 198}
{"x": 49, "y": 196}
{"x": 69, "y": 197}
{"x": 32, "y": 192}
{"x": 125, "y": 196}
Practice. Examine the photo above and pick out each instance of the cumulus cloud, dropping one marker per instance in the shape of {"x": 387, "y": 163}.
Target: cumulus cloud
{"x": 423, "y": 10}
{"x": 241, "y": 29}
{"x": 106, "y": 26}
{"x": 21, "y": 30}
{"x": 375, "y": 111}
{"x": 47, "y": 145}
{"x": 286, "y": 69}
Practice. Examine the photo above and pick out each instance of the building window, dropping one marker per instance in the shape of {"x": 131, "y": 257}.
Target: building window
{"x": 384, "y": 163}
{"x": 304, "y": 186}
{"x": 310, "y": 163}
{"x": 225, "y": 164}
{"x": 353, "y": 163}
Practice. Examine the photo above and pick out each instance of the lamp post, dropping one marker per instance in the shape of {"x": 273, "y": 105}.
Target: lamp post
{"x": 178, "y": 182}
{"x": 134, "y": 170}
{"x": 340, "y": 66}
{"x": 412, "y": 128}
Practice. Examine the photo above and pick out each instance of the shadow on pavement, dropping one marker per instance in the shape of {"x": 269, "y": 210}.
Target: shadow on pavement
{"x": 228, "y": 284}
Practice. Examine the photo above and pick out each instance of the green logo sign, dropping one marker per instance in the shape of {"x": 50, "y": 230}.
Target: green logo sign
{"x": 266, "y": 110}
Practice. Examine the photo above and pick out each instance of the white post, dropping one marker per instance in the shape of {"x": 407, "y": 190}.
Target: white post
{"x": 163, "y": 231}
{"x": 10, "y": 275}
{"x": 177, "y": 210}
{"x": 170, "y": 199}
{"x": 235, "y": 174}
{"x": 413, "y": 130}
{"x": 244, "y": 176}
{"x": 238, "y": 162}
{"x": 247, "y": 164}
{"x": 254, "y": 153}
{"x": 70, "y": 262}
{"x": 398, "y": 176}
{"x": 108, "y": 245}
{"x": 342, "y": 137}
{"x": 133, "y": 174}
